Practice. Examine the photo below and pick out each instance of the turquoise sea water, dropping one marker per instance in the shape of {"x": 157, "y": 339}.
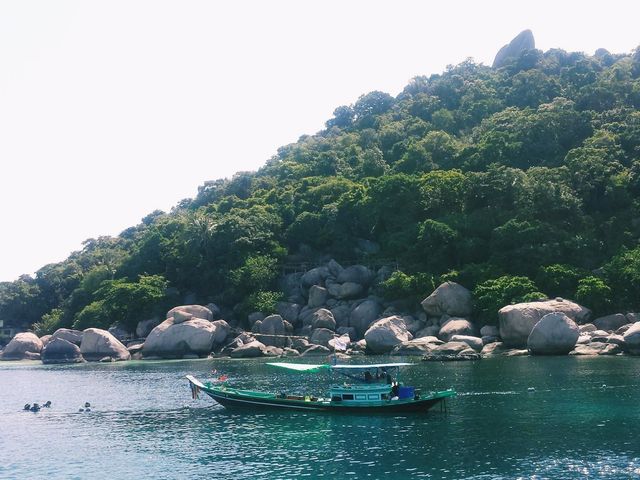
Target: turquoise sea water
{"x": 582, "y": 421}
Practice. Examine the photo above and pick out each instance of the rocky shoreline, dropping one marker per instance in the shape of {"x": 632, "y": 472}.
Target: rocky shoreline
{"x": 331, "y": 309}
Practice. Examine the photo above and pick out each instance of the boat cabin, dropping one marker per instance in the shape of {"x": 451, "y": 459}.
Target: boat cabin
{"x": 360, "y": 393}
{"x": 368, "y": 383}
{"x": 360, "y": 384}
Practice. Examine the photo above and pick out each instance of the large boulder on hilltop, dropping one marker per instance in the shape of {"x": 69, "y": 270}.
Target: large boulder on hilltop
{"x": 198, "y": 311}
{"x": 97, "y": 344}
{"x": 449, "y": 298}
{"x": 59, "y": 350}
{"x": 171, "y": 340}
{"x": 456, "y": 326}
{"x": 522, "y": 42}
{"x": 632, "y": 339}
{"x": 386, "y": 333}
{"x": 610, "y": 323}
{"x": 68, "y": 334}
{"x": 356, "y": 274}
{"x": 24, "y": 346}
{"x": 517, "y": 321}
{"x": 554, "y": 334}
{"x": 364, "y": 315}
{"x": 273, "y": 325}
{"x": 323, "y": 318}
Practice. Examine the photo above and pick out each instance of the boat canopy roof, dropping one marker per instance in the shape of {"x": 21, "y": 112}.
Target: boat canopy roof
{"x": 372, "y": 365}
{"x": 310, "y": 367}
{"x": 300, "y": 367}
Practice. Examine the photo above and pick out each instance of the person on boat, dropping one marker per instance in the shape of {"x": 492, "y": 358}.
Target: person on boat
{"x": 388, "y": 378}
{"x": 395, "y": 389}
{"x": 368, "y": 378}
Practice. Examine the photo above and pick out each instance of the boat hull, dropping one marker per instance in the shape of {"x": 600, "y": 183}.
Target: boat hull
{"x": 242, "y": 399}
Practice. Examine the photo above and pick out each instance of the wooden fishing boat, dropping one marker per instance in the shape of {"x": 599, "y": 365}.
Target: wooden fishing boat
{"x": 370, "y": 388}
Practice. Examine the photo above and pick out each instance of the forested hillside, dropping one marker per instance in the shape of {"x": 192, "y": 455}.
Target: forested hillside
{"x": 517, "y": 182}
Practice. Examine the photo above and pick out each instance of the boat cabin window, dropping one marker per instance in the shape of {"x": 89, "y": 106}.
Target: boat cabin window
{"x": 361, "y": 396}
{"x": 384, "y": 396}
{"x": 374, "y": 397}
{"x": 347, "y": 396}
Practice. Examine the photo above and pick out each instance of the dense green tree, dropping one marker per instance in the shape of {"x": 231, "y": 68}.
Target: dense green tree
{"x": 560, "y": 280}
{"x": 124, "y": 303}
{"x": 402, "y": 286}
{"x": 623, "y": 276}
{"x": 595, "y": 294}
{"x": 342, "y": 117}
{"x": 491, "y": 295}
{"x": 485, "y": 176}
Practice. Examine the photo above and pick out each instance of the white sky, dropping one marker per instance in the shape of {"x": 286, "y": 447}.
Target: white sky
{"x": 112, "y": 109}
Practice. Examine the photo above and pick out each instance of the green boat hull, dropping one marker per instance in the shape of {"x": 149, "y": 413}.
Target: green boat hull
{"x": 246, "y": 399}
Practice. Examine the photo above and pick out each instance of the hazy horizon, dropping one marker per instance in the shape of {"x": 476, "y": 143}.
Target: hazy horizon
{"x": 109, "y": 111}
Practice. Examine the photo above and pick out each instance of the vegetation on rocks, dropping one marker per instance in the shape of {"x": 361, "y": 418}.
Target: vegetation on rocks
{"x": 517, "y": 182}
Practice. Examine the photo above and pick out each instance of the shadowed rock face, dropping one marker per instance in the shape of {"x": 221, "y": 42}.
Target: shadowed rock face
{"x": 59, "y": 350}
{"x": 523, "y": 41}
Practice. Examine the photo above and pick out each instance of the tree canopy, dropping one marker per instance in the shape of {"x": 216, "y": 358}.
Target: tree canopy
{"x": 517, "y": 182}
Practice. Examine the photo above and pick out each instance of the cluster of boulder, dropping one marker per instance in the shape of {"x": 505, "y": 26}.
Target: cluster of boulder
{"x": 189, "y": 331}
{"x": 67, "y": 346}
{"x": 334, "y": 309}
